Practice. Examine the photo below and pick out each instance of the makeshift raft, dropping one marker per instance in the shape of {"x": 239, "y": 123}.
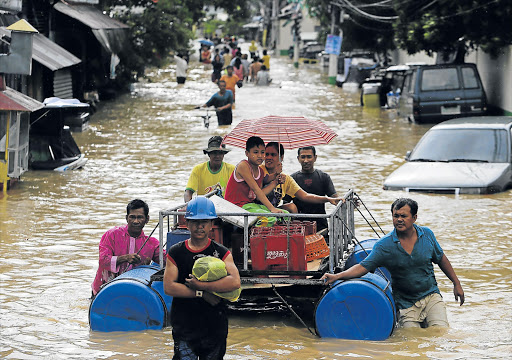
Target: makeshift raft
{"x": 274, "y": 274}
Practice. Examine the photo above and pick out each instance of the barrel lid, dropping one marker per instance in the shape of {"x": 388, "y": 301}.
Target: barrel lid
{"x": 357, "y": 309}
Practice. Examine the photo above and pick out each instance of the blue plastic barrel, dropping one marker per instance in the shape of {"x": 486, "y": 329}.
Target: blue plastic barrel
{"x": 175, "y": 236}
{"x": 357, "y": 309}
{"x": 131, "y": 302}
{"x": 360, "y": 253}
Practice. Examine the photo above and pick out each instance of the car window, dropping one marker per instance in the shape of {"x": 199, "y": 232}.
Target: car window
{"x": 408, "y": 88}
{"x": 469, "y": 78}
{"x": 486, "y": 145}
{"x": 439, "y": 79}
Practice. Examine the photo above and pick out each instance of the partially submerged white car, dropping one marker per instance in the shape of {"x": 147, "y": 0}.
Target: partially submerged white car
{"x": 462, "y": 156}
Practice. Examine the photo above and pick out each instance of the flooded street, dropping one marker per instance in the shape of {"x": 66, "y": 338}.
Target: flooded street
{"x": 145, "y": 144}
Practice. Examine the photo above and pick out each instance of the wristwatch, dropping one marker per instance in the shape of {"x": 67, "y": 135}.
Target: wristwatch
{"x": 199, "y": 293}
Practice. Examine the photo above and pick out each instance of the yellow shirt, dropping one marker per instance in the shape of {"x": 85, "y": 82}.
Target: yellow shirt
{"x": 203, "y": 180}
{"x": 266, "y": 61}
{"x": 290, "y": 186}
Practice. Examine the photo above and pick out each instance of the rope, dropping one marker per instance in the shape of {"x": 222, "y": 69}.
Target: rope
{"x": 366, "y": 252}
{"x": 359, "y": 198}
{"x": 293, "y": 312}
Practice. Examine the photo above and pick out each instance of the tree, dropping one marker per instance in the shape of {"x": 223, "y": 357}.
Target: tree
{"x": 368, "y": 26}
{"x": 440, "y": 26}
{"x": 422, "y": 25}
{"x": 160, "y": 26}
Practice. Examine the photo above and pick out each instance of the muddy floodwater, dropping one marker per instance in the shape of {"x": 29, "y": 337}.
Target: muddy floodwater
{"x": 144, "y": 145}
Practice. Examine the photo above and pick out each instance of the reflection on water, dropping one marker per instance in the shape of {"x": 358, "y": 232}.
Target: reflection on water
{"x": 145, "y": 144}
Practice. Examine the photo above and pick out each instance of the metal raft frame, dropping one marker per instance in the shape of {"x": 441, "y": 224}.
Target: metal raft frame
{"x": 341, "y": 235}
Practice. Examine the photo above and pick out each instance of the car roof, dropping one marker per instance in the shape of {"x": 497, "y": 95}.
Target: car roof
{"x": 489, "y": 122}
{"x": 440, "y": 66}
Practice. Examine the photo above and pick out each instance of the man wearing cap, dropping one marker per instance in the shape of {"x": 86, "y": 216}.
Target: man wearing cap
{"x": 198, "y": 316}
{"x": 210, "y": 175}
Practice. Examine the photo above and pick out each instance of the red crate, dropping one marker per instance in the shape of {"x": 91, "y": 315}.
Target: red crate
{"x": 309, "y": 226}
{"x": 269, "y": 248}
{"x": 316, "y": 247}
{"x": 216, "y": 234}
{"x": 181, "y": 219}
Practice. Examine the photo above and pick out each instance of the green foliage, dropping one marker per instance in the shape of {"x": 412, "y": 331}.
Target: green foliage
{"x": 359, "y": 32}
{"x": 443, "y": 25}
{"x": 160, "y": 26}
{"x": 422, "y": 25}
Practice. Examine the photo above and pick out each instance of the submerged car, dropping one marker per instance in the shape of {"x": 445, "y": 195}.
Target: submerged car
{"x": 434, "y": 93}
{"x": 461, "y": 156}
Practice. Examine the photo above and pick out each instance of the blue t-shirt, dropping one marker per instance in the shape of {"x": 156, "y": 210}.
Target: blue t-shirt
{"x": 218, "y": 100}
{"x": 412, "y": 275}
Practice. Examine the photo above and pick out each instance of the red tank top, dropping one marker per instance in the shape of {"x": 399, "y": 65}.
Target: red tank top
{"x": 237, "y": 190}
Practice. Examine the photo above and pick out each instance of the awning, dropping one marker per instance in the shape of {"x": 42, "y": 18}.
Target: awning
{"x": 48, "y": 53}
{"x": 252, "y": 25}
{"x": 12, "y": 100}
{"x": 109, "y": 32}
{"x": 51, "y": 55}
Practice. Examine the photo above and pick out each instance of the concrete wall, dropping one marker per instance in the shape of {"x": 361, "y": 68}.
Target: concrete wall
{"x": 307, "y": 27}
{"x": 496, "y": 74}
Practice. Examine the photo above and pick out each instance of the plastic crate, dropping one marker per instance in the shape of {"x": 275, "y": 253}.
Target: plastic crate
{"x": 316, "y": 247}
{"x": 216, "y": 234}
{"x": 309, "y": 226}
{"x": 181, "y": 219}
{"x": 269, "y": 248}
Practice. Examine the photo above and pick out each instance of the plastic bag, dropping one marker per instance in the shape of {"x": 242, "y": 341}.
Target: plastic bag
{"x": 209, "y": 268}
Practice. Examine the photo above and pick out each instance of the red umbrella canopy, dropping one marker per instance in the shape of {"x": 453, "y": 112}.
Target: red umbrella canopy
{"x": 291, "y": 131}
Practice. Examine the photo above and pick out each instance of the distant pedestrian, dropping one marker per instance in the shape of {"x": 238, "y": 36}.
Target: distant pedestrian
{"x": 206, "y": 55}
{"x": 262, "y": 78}
{"x": 246, "y": 64}
{"x": 218, "y": 64}
{"x": 181, "y": 68}
{"x": 253, "y": 48}
{"x": 231, "y": 81}
{"x": 227, "y": 56}
{"x": 266, "y": 59}
{"x": 254, "y": 68}
{"x": 223, "y": 102}
{"x": 238, "y": 69}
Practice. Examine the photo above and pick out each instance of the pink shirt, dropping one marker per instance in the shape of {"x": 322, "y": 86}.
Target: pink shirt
{"x": 116, "y": 242}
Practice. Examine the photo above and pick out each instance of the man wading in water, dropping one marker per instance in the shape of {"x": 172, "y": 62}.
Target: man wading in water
{"x": 198, "y": 317}
{"x": 408, "y": 253}
{"x": 223, "y": 101}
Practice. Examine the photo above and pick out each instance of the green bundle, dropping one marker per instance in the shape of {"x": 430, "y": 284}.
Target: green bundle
{"x": 209, "y": 268}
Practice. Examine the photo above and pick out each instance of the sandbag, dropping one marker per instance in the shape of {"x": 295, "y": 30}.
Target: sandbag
{"x": 209, "y": 268}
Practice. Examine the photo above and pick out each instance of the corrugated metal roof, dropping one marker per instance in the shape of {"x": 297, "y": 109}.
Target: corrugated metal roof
{"x": 51, "y": 55}
{"x": 12, "y": 100}
{"x": 89, "y": 15}
{"x": 48, "y": 53}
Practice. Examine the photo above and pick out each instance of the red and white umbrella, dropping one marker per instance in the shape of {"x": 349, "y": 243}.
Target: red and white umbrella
{"x": 291, "y": 131}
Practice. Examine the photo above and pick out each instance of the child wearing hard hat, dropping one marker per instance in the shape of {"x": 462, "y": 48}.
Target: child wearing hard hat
{"x": 198, "y": 317}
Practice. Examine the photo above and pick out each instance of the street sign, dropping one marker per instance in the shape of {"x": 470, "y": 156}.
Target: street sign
{"x": 333, "y": 44}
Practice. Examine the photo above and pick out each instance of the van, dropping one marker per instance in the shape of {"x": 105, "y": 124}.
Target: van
{"x": 434, "y": 93}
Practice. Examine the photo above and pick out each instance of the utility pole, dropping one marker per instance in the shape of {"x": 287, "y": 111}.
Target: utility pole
{"x": 296, "y": 38}
{"x": 274, "y": 37}
{"x": 333, "y": 58}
